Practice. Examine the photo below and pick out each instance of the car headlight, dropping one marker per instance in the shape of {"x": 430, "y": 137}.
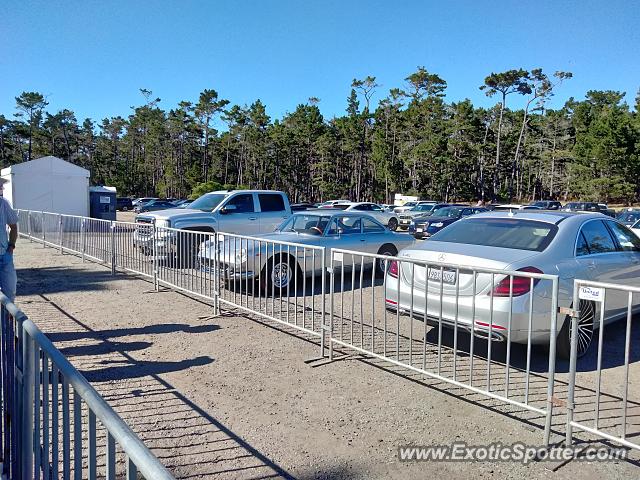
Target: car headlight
{"x": 438, "y": 225}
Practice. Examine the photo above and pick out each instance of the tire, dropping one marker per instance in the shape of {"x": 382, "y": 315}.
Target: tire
{"x": 124, "y": 209}
{"x": 281, "y": 275}
{"x": 586, "y": 324}
{"x": 393, "y": 224}
{"x": 388, "y": 250}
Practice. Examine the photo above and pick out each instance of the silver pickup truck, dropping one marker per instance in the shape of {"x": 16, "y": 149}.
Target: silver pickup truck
{"x": 243, "y": 212}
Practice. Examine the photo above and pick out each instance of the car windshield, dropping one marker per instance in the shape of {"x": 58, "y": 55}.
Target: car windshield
{"x": 422, "y": 208}
{"x": 447, "y": 212}
{"x": 208, "y": 201}
{"x": 512, "y": 233}
{"x": 309, "y": 224}
{"x": 410, "y": 204}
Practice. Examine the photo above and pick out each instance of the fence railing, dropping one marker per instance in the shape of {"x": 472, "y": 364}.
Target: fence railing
{"x": 595, "y": 305}
{"x": 472, "y": 327}
{"x": 415, "y": 314}
{"x": 53, "y": 418}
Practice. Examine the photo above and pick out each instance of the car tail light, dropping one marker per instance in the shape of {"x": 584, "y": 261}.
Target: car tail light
{"x": 393, "y": 268}
{"x": 521, "y": 285}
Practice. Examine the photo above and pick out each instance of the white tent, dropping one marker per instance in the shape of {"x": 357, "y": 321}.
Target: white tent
{"x": 49, "y": 184}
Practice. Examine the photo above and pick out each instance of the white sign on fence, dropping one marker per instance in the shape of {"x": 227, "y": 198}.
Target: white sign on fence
{"x": 591, "y": 293}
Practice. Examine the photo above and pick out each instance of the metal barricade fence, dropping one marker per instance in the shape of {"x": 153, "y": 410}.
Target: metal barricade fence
{"x": 411, "y": 313}
{"x": 286, "y": 282}
{"x": 601, "y": 414}
{"x": 174, "y": 254}
{"x": 281, "y": 281}
{"x": 128, "y": 255}
{"x": 53, "y": 418}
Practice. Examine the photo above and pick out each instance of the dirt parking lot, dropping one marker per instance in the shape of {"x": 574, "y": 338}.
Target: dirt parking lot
{"x": 235, "y": 397}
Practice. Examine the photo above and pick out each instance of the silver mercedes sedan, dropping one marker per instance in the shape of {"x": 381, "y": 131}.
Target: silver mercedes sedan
{"x": 587, "y": 246}
{"x": 294, "y": 250}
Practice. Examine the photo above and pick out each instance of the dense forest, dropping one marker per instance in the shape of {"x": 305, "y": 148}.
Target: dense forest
{"x": 412, "y": 141}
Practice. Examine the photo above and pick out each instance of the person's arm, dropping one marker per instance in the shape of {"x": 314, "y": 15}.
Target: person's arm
{"x": 13, "y": 237}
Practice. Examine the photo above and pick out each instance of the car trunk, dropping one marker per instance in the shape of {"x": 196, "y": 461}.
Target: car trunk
{"x": 465, "y": 256}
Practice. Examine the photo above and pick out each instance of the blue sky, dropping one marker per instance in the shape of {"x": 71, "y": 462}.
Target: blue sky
{"x": 93, "y": 56}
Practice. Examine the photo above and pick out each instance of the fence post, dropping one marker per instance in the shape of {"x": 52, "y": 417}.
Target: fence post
{"x": 44, "y": 231}
{"x": 573, "y": 360}
{"x": 29, "y": 226}
{"x": 216, "y": 270}
{"x": 552, "y": 361}
{"x": 26, "y": 458}
{"x": 60, "y": 232}
{"x": 113, "y": 248}
{"x": 83, "y": 238}
{"x": 332, "y": 288}
{"x": 322, "y": 312}
{"x": 155, "y": 256}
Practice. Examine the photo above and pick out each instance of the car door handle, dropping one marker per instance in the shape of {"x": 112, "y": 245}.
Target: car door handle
{"x": 253, "y": 218}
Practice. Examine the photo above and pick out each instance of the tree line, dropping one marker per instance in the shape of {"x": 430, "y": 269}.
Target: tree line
{"x": 412, "y": 142}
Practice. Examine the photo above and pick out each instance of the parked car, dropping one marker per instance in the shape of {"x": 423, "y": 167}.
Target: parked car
{"x": 588, "y": 207}
{"x": 331, "y": 203}
{"x": 326, "y": 228}
{"x": 179, "y": 202}
{"x": 628, "y": 217}
{"x": 141, "y": 200}
{"x": 410, "y": 205}
{"x": 547, "y": 204}
{"x": 297, "y": 207}
{"x": 512, "y": 207}
{"x": 422, "y": 210}
{"x": 153, "y": 205}
{"x": 124, "y": 204}
{"x": 244, "y": 212}
{"x": 425, "y": 227}
{"x": 586, "y": 246}
{"x": 390, "y": 219}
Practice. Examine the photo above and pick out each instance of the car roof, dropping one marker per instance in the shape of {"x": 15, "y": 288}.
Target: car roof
{"x": 229, "y": 192}
{"x": 549, "y": 216}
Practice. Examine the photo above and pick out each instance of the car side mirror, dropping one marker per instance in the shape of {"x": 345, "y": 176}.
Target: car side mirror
{"x": 228, "y": 209}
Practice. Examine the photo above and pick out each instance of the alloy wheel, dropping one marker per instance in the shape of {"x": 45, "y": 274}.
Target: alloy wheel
{"x": 585, "y": 326}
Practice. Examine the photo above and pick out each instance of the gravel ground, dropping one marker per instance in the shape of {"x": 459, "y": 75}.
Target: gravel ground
{"x": 236, "y": 397}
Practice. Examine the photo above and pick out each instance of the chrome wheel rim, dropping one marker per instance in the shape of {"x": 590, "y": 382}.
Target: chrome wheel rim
{"x": 393, "y": 224}
{"x": 585, "y": 327}
{"x": 382, "y": 262}
{"x": 281, "y": 275}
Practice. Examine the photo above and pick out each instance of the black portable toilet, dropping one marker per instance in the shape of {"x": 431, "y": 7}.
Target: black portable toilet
{"x": 102, "y": 203}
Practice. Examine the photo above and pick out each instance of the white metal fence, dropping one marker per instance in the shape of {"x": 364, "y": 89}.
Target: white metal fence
{"x": 602, "y": 414}
{"x": 52, "y": 418}
{"x": 474, "y": 328}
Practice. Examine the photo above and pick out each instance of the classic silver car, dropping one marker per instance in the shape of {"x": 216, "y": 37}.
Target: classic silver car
{"x": 291, "y": 252}
{"x": 572, "y": 246}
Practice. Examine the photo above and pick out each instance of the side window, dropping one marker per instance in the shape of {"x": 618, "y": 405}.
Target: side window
{"x": 271, "y": 202}
{"x": 598, "y": 238}
{"x": 345, "y": 226}
{"x": 362, "y": 208}
{"x": 376, "y": 208}
{"x": 581, "y": 246}
{"x": 626, "y": 238}
{"x": 466, "y": 212}
{"x": 243, "y": 203}
{"x": 369, "y": 226}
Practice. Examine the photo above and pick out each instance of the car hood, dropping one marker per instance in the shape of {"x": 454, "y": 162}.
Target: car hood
{"x": 173, "y": 214}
